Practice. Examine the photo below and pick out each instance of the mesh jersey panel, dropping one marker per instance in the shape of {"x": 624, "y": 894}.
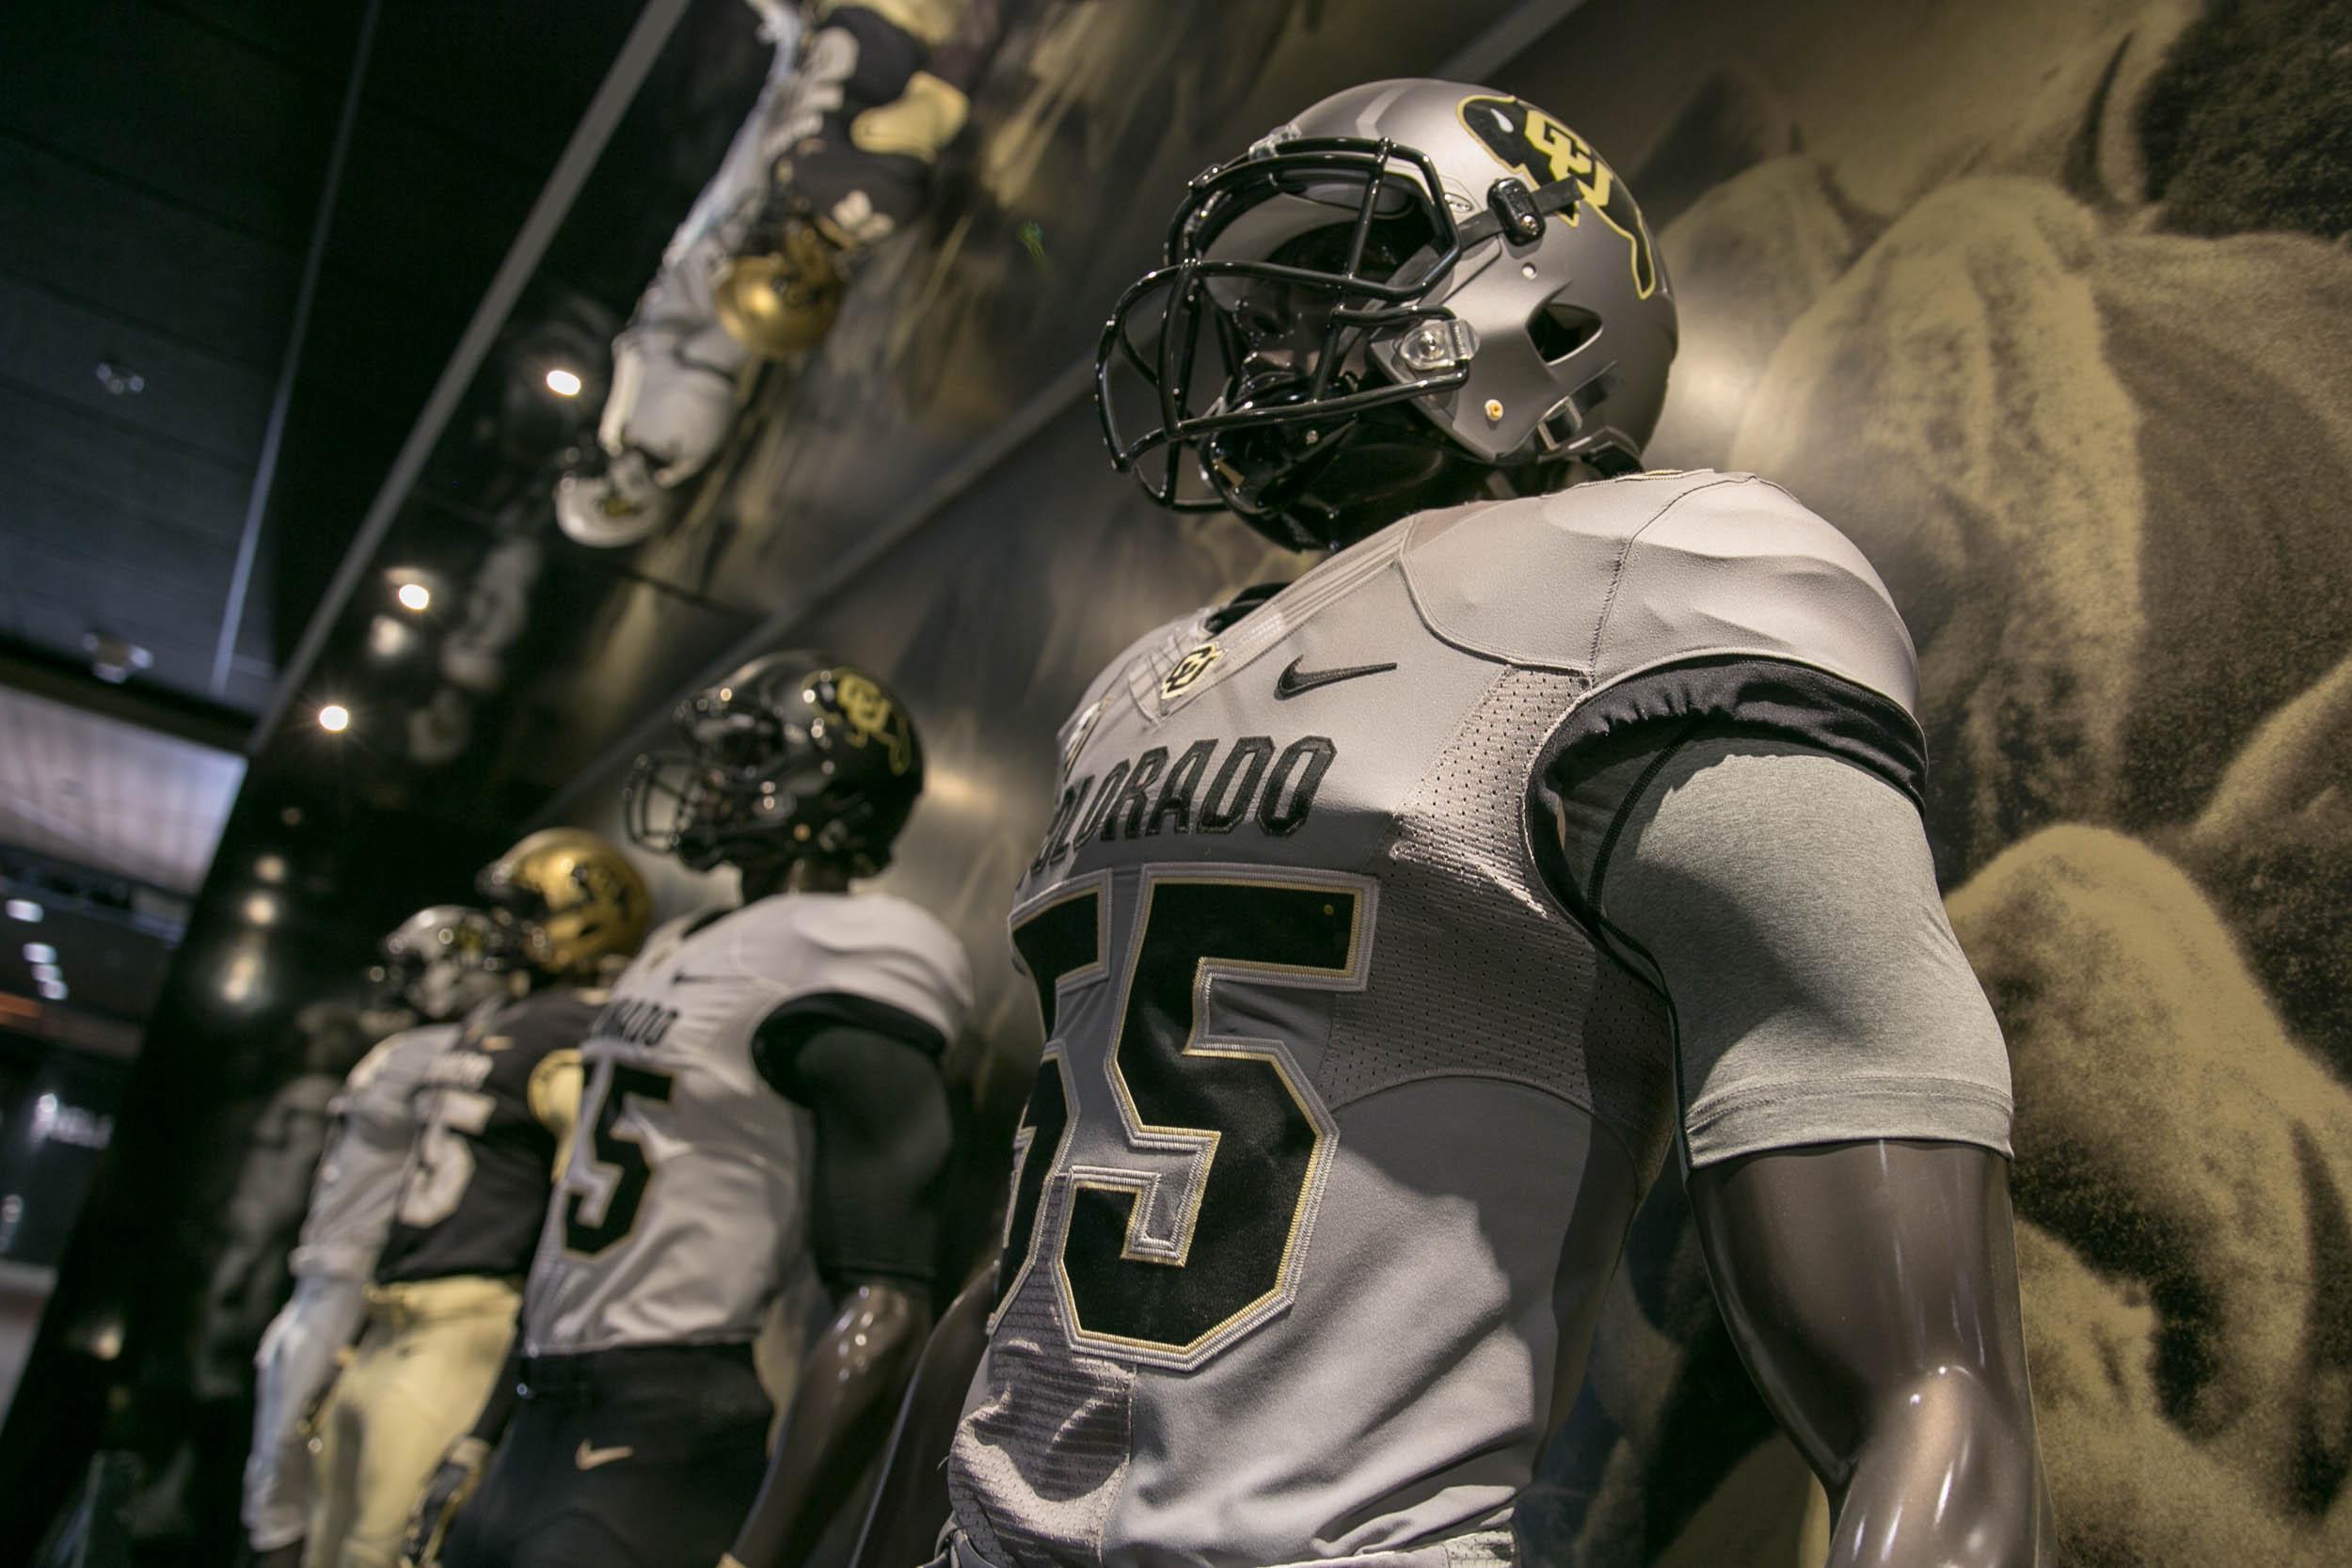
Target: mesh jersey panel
{"x": 1054, "y": 1440}
{"x": 1452, "y": 999}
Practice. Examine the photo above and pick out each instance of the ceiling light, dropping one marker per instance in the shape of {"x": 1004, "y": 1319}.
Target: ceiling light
{"x": 39, "y": 953}
{"x": 416, "y": 596}
{"x": 262, "y": 910}
{"x": 53, "y": 991}
{"x": 48, "y": 971}
{"x": 334, "y": 718}
{"x": 237, "y": 983}
{"x": 563, "y": 382}
{"x": 24, "y": 910}
{"x": 269, "y": 868}
{"x": 388, "y": 637}
{"x": 114, "y": 660}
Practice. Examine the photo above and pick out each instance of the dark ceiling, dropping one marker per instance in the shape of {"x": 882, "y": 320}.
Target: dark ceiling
{"x": 162, "y": 169}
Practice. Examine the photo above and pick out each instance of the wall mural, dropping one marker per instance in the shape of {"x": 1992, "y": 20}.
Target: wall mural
{"x": 2046, "y": 307}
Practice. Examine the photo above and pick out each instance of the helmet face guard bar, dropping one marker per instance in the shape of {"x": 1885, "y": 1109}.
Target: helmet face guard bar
{"x": 688, "y": 804}
{"x": 1363, "y": 309}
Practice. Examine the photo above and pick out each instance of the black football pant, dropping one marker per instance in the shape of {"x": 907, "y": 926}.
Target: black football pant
{"x": 637, "y": 1458}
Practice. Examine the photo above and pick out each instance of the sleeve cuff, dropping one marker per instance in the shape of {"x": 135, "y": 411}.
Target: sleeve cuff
{"x": 1850, "y": 1109}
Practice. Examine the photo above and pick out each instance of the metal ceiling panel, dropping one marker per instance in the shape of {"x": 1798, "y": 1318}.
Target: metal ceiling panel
{"x": 111, "y": 795}
{"x": 142, "y": 256}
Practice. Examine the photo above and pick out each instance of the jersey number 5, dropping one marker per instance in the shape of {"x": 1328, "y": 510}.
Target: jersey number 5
{"x": 595, "y": 1218}
{"x": 444, "y": 1159}
{"x": 1194, "y": 1235}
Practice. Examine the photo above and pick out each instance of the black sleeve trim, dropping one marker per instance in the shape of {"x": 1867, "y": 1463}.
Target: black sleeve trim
{"x": 782, "y": 1032}
{"x": 883, "y": 1135}
{"x": 1658, "y": 710}
{"x": 1751, "y": 695}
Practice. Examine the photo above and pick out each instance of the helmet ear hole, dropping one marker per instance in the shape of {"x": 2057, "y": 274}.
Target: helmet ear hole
{"x": 1559, "y": 328}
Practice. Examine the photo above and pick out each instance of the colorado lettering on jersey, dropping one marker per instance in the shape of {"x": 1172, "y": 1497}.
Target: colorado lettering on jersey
{"x": 633, "y": 1021}
{"x": 465, "y": 1070}
{"x": 1210, "y": 787}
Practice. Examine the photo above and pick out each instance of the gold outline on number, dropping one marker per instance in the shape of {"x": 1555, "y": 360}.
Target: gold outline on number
{"x": 1202, "y": 1143}
{"x": 1096, "y": 885}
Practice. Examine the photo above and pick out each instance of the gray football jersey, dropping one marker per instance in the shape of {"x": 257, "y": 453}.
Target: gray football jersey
{"x": 359, "y": 1176}
{"x": 1343, "y": 1114}
{"x": 683, "y": 1211}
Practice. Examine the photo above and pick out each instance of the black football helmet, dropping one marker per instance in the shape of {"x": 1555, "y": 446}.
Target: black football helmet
{"x": 1409, "y": 289}
{"x": 794, "y": 756}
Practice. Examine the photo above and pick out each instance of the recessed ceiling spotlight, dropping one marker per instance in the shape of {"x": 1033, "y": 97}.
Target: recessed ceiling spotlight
{"x": 114, "y": 660}
{"x": 39, "y": 953}
{"x": 53, "y": 991}
{"x": 262, "y": 910}
{"x": 24, "y": 910}
{"x": 334, "y": 718}
{"x": 48, "y": 971}
{"x": 241, "y": 976}
{"x": 121, "y": 380}
{"x": 415, "y": 596}
{"x": 269, "y": 868}
{"x": 563, "y": 382}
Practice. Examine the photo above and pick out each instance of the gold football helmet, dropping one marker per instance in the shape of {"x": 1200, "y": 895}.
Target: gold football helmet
{"x": 576, "y": 900}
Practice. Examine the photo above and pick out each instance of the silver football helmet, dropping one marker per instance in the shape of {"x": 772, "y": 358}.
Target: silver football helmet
{"x": 1410, "y": 288}
{"x": 446, "y": 959}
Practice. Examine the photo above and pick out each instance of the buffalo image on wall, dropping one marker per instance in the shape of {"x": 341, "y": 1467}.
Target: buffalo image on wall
{"x": 2049, "y": 306}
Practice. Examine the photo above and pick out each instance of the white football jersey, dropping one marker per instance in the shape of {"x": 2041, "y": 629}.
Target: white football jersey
{"x": 683, "y": 1211}
{"x": 1342, "y": 1113}
{"x": 359, "y": 1176}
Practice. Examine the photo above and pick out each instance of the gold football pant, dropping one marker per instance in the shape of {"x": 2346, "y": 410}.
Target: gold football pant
{"x": 426, "y": 1360}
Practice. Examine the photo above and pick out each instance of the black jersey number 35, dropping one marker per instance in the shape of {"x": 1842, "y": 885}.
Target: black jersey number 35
{"x": 1177, "y": 1254}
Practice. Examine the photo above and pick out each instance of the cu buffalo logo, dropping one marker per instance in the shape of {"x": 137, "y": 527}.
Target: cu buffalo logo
{"x": 1188, "y": 670}
{"x": 1541, "y": 150}
{"x": 863, "y": 709}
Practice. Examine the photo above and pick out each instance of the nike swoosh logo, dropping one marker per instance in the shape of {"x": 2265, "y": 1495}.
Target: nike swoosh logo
{"x": 1294, "y": 681}
{"x": 588, "y": 1457}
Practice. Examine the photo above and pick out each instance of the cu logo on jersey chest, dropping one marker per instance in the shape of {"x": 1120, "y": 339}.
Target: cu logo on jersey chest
{"x": 1189, "y": 669}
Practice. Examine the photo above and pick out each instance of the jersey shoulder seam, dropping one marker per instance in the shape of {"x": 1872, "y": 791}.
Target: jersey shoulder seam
{"x": 1625, "y": 554}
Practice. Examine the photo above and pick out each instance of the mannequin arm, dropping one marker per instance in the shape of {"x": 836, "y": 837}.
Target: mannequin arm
{"x": 1871, "y": 1288}
{"x": 849, "y": 1390}
{"x": 883, "y": 1135}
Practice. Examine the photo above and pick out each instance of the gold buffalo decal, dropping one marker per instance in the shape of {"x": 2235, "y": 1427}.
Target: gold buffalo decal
{"x": 872, "y": 719}
{"x": 1540, "y": 151}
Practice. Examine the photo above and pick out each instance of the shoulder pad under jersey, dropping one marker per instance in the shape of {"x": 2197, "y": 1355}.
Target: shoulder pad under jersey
{"x": 1163, "y": 644}
{"x": 873, "y": 945}
{"x": 1617, "y": 578}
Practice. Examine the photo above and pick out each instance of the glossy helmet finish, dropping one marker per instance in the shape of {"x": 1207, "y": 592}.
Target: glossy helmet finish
{"x": 1412, "y": 286}
{"x": 794, "y": 756}
{"x": 446, "y": 959}
{"x": 576, "y": 901}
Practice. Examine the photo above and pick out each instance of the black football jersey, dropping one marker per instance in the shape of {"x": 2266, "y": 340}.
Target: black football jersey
{"x": 477, "y": 1186}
